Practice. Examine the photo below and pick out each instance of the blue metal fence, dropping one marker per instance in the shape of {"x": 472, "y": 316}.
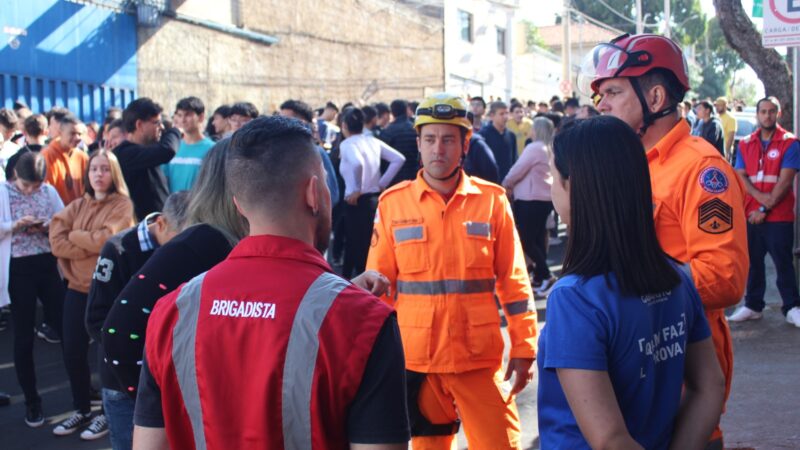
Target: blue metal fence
{"x": 60, "y": 53}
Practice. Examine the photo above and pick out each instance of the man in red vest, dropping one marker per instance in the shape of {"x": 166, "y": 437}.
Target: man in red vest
{"x": 767, "y": 162}
{"x": 270, "y": 349}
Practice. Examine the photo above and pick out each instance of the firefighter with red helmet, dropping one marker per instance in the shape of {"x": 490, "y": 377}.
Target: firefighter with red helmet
{"x": 698, "y": 201}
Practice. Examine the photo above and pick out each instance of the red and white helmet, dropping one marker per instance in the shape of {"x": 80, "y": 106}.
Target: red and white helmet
{"x": 632, "y": 56}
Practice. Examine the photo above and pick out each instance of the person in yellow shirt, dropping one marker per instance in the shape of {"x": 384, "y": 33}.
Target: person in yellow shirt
{"x": 447, "y": 244}
{"x": 728, "y": 125}
{"x": 519, "y": 125}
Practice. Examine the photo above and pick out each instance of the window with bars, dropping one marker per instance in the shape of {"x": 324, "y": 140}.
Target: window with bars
{"x": 465, "y": 25}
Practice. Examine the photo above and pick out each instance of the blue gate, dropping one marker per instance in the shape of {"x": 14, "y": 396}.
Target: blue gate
{"x": 63, "y": 53}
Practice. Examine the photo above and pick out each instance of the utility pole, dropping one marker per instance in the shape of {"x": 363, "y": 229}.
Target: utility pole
{"x": 639, "y": 23}
{"x": 566, "y": 75}
{"x": 667, "y": 17}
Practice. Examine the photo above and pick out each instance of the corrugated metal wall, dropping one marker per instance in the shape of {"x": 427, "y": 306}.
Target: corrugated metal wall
{"x": 60, "y": 53}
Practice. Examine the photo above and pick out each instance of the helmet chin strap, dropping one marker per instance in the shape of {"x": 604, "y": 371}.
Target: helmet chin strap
{"x": 648, "y": 117}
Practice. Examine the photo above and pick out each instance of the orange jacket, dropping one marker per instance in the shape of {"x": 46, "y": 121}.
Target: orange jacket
{"x": 446, "y": 262}
{"x": 78, "y": 232}
{"x": 65, "y": 169}
{"x": 699, "y": 215}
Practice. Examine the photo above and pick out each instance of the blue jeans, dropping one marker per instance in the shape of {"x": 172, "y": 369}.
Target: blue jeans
{"x": 775, "y": 238}
{"x": 118, "y": 407}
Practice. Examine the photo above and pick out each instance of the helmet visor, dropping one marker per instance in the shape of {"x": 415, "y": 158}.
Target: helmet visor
{"x": 607, "y": 61}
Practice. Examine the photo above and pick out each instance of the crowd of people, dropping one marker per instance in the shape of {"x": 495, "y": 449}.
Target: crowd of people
{"x": 313, "y": 278}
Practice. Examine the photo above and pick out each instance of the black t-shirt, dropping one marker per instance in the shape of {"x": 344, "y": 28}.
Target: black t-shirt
{"x": 370, "y": 418}
{"x": 194, "y": 251}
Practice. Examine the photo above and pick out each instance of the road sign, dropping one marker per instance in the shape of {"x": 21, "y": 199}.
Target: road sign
{"x": 781, "y": 23}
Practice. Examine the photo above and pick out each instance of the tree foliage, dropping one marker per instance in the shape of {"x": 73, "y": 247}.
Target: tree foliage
{"x": 532, "y": 36}
{"x": 720, "y": 61}
{"x": 688, "y": 21}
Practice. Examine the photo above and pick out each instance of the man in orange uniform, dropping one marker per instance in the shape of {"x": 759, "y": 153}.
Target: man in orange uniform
{"x": 698, "y": 201}
{"x": 66, "y": 164}
{"x": 447, "y": 244}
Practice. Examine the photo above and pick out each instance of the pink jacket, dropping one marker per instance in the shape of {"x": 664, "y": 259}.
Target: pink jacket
{"x": 529, "y": 178}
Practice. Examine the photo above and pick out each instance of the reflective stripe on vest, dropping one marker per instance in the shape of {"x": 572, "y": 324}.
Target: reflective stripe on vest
{"x": 440, "y": 287}
{"x": 183, "y": 347}
{"x": 764, "y": 179}
{"x": 298, "y": 369}
{"x": 301, "y": 359}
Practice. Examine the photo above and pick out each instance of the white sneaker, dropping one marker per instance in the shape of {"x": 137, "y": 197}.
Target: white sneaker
{"x": 744, "y": 313}
{"x": 793, "y": 316}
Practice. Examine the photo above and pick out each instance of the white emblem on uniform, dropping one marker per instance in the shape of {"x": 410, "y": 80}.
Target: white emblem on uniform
{"x": 773, "y": 154}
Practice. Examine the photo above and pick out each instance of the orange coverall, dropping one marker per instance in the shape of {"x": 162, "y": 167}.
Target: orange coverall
{"x": 446, "y": 262}
{"x": 698, "y": 205}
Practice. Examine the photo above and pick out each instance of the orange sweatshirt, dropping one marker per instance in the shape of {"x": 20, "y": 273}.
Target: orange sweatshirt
{"x": 65, "y": 169}
{"x": 78, "y": 232}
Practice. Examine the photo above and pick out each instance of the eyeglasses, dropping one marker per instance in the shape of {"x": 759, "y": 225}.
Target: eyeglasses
{"x": 442, "y": 112}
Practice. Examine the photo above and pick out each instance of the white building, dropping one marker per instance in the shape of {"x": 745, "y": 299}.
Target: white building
{"x": 478, "y": 47}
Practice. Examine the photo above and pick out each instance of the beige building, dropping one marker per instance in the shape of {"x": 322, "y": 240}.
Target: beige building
{"x": 267, "y": 51}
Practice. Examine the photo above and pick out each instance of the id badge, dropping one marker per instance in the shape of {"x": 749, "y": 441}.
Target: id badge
{"x": 760, "y": 176}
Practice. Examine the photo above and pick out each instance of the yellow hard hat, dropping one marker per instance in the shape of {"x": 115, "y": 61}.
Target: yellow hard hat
{"x": 443, "y": 108}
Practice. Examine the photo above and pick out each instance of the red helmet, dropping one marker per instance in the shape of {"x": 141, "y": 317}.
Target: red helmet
{"x": 632, "y": 56}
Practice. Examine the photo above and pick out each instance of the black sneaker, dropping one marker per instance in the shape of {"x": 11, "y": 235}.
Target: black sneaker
{"x": 97, "y": 429}
{"x": 48, "y": 334}
{"x": 33, "y": 416}
{"x": 72, "y": 424}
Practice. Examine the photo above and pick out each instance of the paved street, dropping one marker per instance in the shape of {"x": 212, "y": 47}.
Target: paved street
{"x": 762, "y": 412}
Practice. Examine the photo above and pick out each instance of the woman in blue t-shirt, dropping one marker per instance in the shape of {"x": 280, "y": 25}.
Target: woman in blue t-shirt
{"x": 625, "y": 327}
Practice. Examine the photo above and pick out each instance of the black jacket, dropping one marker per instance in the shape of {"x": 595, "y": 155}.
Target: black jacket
{"x": 192, "y": 252}
{"x": 504, "y": 148}
{"x": 402, "y": 136}
{"x": 712, "y": 132}
{"x": 480, "y": 162}
{"x": 121, "y": 257}
{"x": 141, "y": 167}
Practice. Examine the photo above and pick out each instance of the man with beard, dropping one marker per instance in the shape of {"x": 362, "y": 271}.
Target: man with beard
{"x": 305, "y": 361}
{"x": 767, "y": 162}
{"x": 147, "y": 147}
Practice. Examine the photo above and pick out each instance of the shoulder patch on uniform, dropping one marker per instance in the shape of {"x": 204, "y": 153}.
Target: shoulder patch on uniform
{"x": 746, "y": 139}
{"x": 715, "y": 217}
{"x": 788, "y": 136}
{"x": 713, "y": 180}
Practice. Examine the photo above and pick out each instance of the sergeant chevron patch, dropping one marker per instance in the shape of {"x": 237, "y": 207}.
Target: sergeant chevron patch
{"x": 715, "y": 217}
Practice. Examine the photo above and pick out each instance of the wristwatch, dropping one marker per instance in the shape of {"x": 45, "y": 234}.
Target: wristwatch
{"x": 763, "y": 209}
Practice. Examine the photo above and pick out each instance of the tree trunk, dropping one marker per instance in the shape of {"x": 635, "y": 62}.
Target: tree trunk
{"x": 768, "y": 64}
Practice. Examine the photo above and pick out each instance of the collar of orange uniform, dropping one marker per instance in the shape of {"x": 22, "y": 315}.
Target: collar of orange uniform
{"x": 663, "y": 148}
{"x": 465, "y": 186}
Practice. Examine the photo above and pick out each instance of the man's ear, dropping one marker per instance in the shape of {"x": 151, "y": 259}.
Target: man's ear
{"x": 657, "y": 98}
{"x": 311, "y": 194}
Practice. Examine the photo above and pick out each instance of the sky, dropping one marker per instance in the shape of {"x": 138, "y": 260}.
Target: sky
{"x": 542, "y": 12}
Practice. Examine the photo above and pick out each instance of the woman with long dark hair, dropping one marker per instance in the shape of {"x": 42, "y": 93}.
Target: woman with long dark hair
{"x": 625, "y": 328}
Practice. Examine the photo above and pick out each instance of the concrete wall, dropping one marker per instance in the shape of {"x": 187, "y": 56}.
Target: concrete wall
{"x": 326, "y": 51}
